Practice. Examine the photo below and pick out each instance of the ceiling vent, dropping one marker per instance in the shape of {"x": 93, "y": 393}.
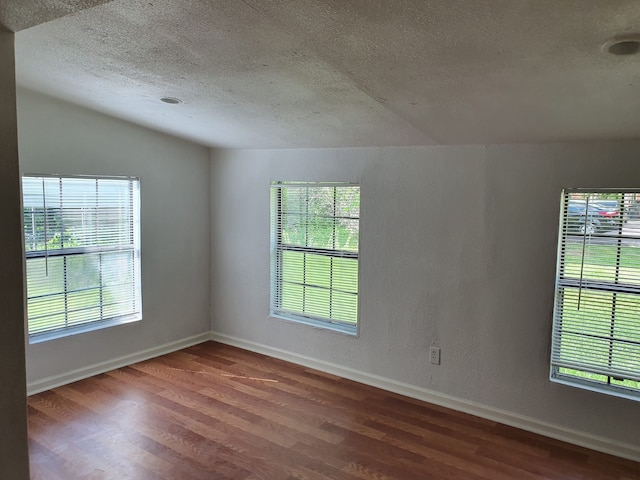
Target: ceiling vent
{"x": 623, "y": 45}
{"x": 171, "y": 100}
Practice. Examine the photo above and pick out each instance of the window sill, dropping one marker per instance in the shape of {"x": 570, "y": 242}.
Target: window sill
{"x": 611, "y": 390}
{"x": 90, "y": 327}
{"x": 351, "y": 330}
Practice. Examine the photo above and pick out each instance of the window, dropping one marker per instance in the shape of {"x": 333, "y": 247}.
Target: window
{"x": 596, "y": 325}
{"x": 82, "y": 245}
{"x": 314, "y": 253}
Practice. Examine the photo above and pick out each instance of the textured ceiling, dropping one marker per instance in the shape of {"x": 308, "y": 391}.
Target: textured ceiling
{"x": 341, "y": 73}
{"x": 17, "y": 15}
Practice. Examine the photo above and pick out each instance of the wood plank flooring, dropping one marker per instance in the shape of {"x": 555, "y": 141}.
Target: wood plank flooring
{"x": 217, "y": 412}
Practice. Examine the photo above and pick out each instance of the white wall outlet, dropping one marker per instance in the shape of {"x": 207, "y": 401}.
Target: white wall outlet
{"x": 434, "y": 355}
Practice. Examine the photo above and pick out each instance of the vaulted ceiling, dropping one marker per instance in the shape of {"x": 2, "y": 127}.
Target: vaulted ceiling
{"x": 340, "y": 73}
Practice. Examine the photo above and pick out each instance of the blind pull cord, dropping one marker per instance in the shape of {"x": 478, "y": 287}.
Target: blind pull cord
{"x": 584, "y": 242}
{"x": 46, "y": 228}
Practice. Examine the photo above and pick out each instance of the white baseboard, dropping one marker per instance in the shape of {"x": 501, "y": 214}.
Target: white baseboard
{"x": 74, "y": 375}
{"x": 593, "y": 442}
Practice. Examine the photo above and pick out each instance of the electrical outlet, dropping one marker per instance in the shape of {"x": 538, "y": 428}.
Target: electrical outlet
{"x": 434, "y": 355}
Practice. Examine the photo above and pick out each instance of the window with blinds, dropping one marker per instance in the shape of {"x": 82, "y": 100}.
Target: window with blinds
{"x": 314, "y": 253}
{"x": 596, "y": 325}
{"x": 82, "y": 246}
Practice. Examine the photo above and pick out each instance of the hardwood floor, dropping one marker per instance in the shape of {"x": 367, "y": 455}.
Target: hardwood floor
{"x": 217, "y": 412}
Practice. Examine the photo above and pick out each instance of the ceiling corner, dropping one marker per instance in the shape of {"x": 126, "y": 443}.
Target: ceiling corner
{"x": 16, "y": 15}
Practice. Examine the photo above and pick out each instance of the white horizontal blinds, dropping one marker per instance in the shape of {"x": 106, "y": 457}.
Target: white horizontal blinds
{"x": 596, "y": 334}
{"x": 82, "y": 247}
{"x": 315, "y": 263}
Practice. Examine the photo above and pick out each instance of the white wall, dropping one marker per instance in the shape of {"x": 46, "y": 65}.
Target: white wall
{"x": 458, "y": 249}
{"x": 14, "y": 461}
{"x": 56, "y": 137}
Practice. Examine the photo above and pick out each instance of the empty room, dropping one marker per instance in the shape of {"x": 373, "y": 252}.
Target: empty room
{"x": 320, "y": 239}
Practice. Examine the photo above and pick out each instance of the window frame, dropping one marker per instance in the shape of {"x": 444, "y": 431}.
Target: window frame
{"x": 278, "y": 247}
{"x": 592, "y": 284}
{"x": 79, "y": 251}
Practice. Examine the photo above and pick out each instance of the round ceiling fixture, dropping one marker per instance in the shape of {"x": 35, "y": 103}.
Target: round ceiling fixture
{"x": 623, "y": 45}
{"x": 171, "y": 100}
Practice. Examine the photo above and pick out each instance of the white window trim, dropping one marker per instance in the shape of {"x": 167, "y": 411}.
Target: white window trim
{"x": 587, "y": 284}
{"x": 90, "y": 326}
{"x": 296, "y": 316}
